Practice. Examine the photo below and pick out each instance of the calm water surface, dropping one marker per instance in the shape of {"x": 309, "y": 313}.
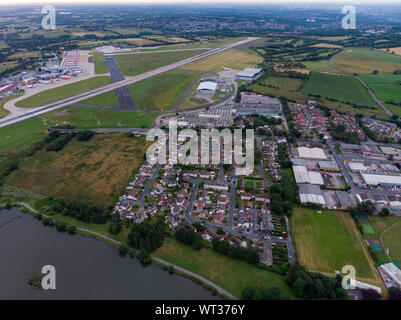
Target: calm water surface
{"x": 86, "y": 268}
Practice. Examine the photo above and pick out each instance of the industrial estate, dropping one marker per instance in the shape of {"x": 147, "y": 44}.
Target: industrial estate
{"x": 77, "y": 104}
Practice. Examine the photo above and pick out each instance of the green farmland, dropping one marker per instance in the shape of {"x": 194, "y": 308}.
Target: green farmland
{"x": 328, "y": 241}
{"x": 366, "y": 60}
{"x": 387, "y": 87}
{"x": 162, "y": 91}
{"x": 16, "y": 135}
{"x": 62, "y": 92}
{"x": 341, "y": 88}
{"x": 137, "y": 63}
{"x": 232, "y": 275}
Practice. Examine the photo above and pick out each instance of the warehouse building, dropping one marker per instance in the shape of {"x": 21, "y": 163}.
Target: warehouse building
{"x": 267, "y": 110}
{"x": 393, "y": 273}
{"x": 311, "y": 193}
{"x": 349, "y": 148}
{"x": 249, "y": 74}
{"x": 311, "y": 153}
{"x": 356, "y": 166}
{"x": 374, "y": 179}
{"x": 303, "y": 176}
{"x": 207, "y": 87}
{"x": 345, "y": 200}
{"x": 328, "y": 166}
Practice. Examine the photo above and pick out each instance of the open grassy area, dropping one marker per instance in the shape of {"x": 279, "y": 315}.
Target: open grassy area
{"x": 32, "y": 129}
{"x": 231, "y": 58}
{"x": 341, "y": 88}
{"x": 136, "y": 63}
{"x": 328, "y": 241}
{"x": 384, "y": 86}
{"x": 162, "y": 91}
{"x": 21, "y": 133}
{"x": 101, "y": 69}
{"x": 320, "y": 66}
{"x": 232, "y": 275}
{"x": 82, "y": 117}
{"x": 107, "y": 99}
{"x": 94, "y": 170}
{"x": 366, "y": 60}
{"x": 388, "y": 232}
{"x": 62, "y": 92}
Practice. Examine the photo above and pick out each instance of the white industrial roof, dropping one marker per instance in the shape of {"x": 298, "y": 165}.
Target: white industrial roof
{"x": 300, "y": 174}
{"x": 313, "y": 198}
{"x": 357, "y": 166}
{"x": 392, "y": 270}
{"x": 249, "y": 72}
{"x": 311, "y": 153}
{"x": 315, "y": 178}
{"x": 303, "y": 176}
{"x": 207, "y": 85}
{"x": 375, "y": 179}
{"x": 390, "y": 150}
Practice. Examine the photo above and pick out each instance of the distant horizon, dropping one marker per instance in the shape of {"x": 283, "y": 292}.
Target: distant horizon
{"x": 133, "y": 2}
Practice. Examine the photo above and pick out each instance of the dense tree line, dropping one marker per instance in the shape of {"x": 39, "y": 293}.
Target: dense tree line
{"x": 86, "y": 212}
{"x": 249, "y": 255}
{"x": 189, "y": 237}
{"x": 339, "y": 133}
{"x": 264, "y": 293}
{"x": 310, "y": 285}
{"x": 59, "y": 143}
{"x": 147, "y": 236}
{"x": 284, "y": 195}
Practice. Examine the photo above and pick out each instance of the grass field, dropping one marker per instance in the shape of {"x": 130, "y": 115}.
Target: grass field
{"x": 231, "y": 58}
{"x": 366, "y": 60}
{"x": 326, "y": 242}
{"x": 133, "y": 64}
{"x": 107, "y": 99}
{"x": 162, "y": 91}
{"x": 388, "y": 232}
{"x": 62, "y": 92}
{"x": 94, "y": 170}
{"x": 232, "y": 275}
{"x": 85, "y": 118}
{"x": 16, "y": 135}
{"x": 101, "y": 69}
{"x": 384, "y": 86}
{"x": 341, "y": 88}
{"x": 320, "y": 65}
{"x": 4, "y": 112}
{"x": 287, "y": 87}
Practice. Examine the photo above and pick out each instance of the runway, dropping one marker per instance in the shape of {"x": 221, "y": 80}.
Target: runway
{"x": 129, "y": 80}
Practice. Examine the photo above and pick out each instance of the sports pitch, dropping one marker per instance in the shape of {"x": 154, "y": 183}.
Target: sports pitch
{"x": 329, "y": 240}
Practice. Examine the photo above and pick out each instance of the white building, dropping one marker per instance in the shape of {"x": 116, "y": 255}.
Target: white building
{"x": 311, "y": 153}
{"x": 376, "y": 179}
{"x": 303, "y": 176}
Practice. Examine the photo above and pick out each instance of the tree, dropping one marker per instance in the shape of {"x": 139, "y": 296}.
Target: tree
{"x": 394, "y": 293}
{"x": 61, "y": 226}
{"x": 123, "y": 250}
{"x": 370, "y": 294}
{"x": 71, "y": 229}
{"x": 384, "y": 212}
{"x": 220, "y": 231}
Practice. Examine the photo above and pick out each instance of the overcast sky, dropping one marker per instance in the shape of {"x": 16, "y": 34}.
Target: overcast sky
{"x": 198, "y": 1}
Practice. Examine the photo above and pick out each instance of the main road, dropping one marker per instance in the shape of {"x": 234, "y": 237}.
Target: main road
{"x": 129, "y": 80}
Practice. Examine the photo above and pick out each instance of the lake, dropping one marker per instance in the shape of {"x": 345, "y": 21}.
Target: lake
{"x": 86, "y": 268}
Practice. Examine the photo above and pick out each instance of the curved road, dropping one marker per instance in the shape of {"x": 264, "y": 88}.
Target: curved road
{"x": 381, "y": 104}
